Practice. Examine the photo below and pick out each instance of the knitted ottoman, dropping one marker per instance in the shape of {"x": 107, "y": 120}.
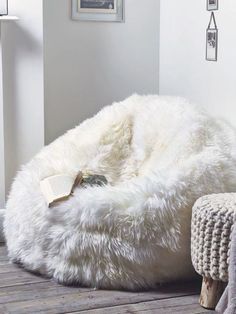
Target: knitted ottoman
{"x": 213, "y": 217}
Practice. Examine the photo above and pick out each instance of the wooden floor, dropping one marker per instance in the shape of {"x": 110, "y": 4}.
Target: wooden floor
{"x": 25, "y": 293}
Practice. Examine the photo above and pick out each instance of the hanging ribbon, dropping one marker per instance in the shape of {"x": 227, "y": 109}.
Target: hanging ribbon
{"x": 212, "y": 19}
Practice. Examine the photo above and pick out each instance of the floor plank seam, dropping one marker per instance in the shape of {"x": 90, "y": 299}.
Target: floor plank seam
{"x": 133, "y": 303}
{"x": 23, "y": 284}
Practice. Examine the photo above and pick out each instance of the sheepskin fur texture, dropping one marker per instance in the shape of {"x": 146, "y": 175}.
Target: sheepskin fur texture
{"x": 159, "y": 155}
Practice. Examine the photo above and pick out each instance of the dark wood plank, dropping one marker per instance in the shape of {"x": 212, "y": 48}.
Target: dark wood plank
{"x": 33, "y": 291}
{"x": 6, "y": 267}
{"x": 76, "y": 303}
{"x": 181, "y": 305}
{"x": 84, "y": 301}
{"x": 18, "y": 277}
{"x": 24, "y": 293}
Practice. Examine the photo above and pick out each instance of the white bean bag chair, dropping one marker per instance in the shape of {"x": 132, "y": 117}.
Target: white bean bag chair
{"x": 159, "y": 154}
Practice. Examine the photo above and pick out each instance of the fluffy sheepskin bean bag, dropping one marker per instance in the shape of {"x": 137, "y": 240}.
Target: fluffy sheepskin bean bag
{"x": 159, "y": 155}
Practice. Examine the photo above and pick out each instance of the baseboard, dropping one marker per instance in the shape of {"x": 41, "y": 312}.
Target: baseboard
{"x": 2, "y": 213}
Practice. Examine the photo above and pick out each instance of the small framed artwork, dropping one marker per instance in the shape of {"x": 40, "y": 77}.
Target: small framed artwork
{"x": 212, "y": 5}
{"x": 3, "y": 7}
{"x": 212, "y": 40}
{"x": 98, "y": 10}
{"x": 212, "y": 45}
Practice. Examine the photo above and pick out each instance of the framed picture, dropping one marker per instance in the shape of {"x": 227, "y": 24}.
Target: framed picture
{"x": 212, "y": 40}
{"x": 98, "y": 10}
{"x": 3, "y": 7}
{"x": 212, "y": 5}
{"x": 212, "y": 45}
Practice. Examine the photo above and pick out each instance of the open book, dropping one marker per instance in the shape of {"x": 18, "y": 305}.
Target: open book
{"x": 59, "y": 187}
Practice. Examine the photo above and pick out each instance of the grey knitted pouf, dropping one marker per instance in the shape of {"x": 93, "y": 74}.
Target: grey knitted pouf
{"x": 213, "y": 217}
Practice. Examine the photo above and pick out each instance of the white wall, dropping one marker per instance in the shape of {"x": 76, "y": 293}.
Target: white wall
{"x": 91, "y": 64}
{"x": 2, "y": 155}
{"x": 23, "y": 84}
{"x": 82, "y": 66}
{"x": 183, "y": 69}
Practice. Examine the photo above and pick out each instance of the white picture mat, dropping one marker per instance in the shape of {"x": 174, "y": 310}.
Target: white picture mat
{"x": 100, "y": 17}
{"x": 3, "y": 7}
{"x": 91, "y": 10}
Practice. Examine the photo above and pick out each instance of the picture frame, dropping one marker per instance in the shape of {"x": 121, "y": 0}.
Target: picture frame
{"x": 212, "y": 5}
{"x": 212, "y": 45}
{"x": 212, "y": 40}
{"x": 3, "y": 7}
{"x": 98, "y": 10}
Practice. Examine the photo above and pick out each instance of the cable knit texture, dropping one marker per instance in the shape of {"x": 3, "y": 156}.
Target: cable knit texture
{"x": 159, "y": 155}
{"x": 212, "y": 223}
